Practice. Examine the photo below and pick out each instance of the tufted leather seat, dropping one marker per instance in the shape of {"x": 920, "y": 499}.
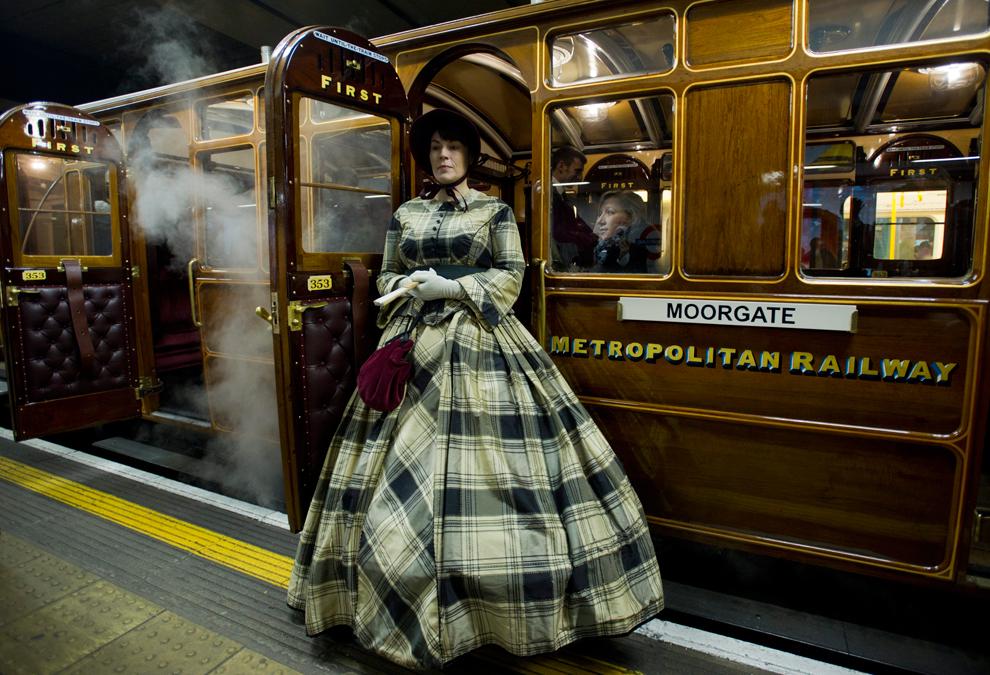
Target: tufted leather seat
{"x": 328, "y": 375}
{"x": 48, "y": 347}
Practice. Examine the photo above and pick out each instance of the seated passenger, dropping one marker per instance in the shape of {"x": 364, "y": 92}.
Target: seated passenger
{"x": 622, "y": 219}
{"x": 572, "y": 240}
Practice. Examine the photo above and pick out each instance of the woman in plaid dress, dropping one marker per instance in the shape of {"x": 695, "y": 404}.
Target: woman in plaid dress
{"x": 488, "y": 507}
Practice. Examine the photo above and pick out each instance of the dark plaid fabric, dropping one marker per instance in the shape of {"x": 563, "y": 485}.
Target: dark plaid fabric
{"x": 488, "y": 508}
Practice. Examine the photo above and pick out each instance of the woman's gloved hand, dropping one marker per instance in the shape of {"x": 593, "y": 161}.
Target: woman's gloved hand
{"x": 432, "y": 286}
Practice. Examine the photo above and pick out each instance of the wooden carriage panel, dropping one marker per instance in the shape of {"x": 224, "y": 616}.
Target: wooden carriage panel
{"x": 861, "y": 379}
{"x": 230, "y": 328}
{"x": 719, "y": 33}
{"x": 737, "y": 181}
{"x": 881, "y": 501}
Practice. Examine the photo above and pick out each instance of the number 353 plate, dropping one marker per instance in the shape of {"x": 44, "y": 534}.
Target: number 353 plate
{"x": 324, "y": 283}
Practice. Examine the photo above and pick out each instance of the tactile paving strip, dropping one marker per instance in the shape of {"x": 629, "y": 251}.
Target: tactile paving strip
{"x": 166, "y": 644}
{"x": 56, "y": 636}
{"x": 247, "y": 662}
{"x": 31, "y": 579}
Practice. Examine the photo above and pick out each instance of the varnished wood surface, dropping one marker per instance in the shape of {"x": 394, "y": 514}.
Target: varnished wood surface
{"x": 76, "y": 412}
{"x": 866, "y": 497}
{"x": 241, "y": 395}
{"x": 304, "y": 65}
{"x": 726, "y": 32}
{"x": 928, "y": 334}
{"x": 70, "y": 141}
{"x": 230, "y": 326}
{"x": 737, "y": 186}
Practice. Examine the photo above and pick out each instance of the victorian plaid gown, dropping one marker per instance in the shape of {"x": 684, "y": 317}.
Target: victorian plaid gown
{"x": 487, "y": 508}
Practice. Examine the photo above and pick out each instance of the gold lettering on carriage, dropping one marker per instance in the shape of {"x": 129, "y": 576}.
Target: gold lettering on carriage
{"x": 61, "y": 147}
{"x": 349, "y": 90}
{"x": 849, "y": 367}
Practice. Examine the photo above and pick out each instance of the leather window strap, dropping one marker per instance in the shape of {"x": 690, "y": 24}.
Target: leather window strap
{"x": 359, "y": 311}
{"x": 77, "y": 308}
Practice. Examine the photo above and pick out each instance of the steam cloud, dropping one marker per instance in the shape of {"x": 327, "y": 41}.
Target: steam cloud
{"x": 166, "y": 46}
{"x": 167, "y": 190}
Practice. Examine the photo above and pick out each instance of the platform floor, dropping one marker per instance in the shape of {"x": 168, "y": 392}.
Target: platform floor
{"x": 117, "y": 571}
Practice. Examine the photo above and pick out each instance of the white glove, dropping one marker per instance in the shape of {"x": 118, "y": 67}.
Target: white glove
{"x": 432, "y": 286}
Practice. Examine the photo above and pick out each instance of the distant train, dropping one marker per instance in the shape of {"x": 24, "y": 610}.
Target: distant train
{"x": 796, "y": 366}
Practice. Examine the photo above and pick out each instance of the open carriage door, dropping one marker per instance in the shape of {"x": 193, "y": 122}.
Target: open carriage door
{"x": 336, "y": 116}
{"x": 68, "y": 310}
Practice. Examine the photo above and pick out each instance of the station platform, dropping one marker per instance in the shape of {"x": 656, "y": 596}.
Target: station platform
{"x": 108, "y": 569}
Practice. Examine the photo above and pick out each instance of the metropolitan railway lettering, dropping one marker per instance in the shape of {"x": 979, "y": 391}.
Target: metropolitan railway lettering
{"x": 728, "y": 358}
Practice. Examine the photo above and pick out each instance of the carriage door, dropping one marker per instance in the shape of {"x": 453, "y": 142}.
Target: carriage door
{"x": 336, "y": 113}
{"x": 68, "y": 311}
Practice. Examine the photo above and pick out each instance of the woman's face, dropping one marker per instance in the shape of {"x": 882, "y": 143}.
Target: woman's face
{"x": 611, "y": 219}
{"x": 448, "y": 158}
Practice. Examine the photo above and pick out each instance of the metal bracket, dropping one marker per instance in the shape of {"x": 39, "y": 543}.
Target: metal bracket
{"x": 147, "y": 387}
{"x": 61, "y": 267}
{"x": 296, "y": 310}
{"x": 135, "y": 271}
{"x": 347, "y": 270}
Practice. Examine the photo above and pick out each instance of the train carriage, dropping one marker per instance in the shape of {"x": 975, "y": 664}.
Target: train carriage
{"x": 797, "y": 369}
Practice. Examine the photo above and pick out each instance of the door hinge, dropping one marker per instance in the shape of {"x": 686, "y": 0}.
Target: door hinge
{"x": 135, "y": 272}
{"x": 271, "y": 192}
{"x": 296, "y": 310}
{"x": 275, "y": 313}
{"x": 147, "y": 387}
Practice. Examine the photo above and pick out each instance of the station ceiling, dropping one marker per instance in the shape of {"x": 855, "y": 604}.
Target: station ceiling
{"x": 74, "y": 51}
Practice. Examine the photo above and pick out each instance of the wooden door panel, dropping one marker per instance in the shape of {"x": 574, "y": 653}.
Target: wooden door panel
{"x": 866, "y": 498}
{"x": 330, "y": 90}
{"x": 61, "y": 191}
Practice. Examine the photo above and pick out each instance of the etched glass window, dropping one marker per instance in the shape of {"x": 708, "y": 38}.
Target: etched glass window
{"x": 615, "y": 51}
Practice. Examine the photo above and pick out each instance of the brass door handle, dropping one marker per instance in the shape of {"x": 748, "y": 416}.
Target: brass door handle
{"x": 541, "y": 310}
{"x": 192, "y": 293}
{"x": 296, "y": 310}
{"x": 13, "y": 292}
{"x": 263, "y": 313}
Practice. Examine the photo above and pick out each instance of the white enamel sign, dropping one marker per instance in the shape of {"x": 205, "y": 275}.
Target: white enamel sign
{"x": 801, "y": 315}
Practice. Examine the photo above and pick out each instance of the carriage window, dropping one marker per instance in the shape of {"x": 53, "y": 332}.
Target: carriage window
{"x": 113, "y": 126}
{"x": 890, "y": 203}
{"x": 346, "y": 186}
{"x": 226, "y": 117}
{"x": 838, "y": 25}
{"x": 616, "y": 51}
{"x": 230, "y": 215}
{"x": 64, "y": 207}
{"x": 610, "y": 170}
{"x": 261, "y": 109}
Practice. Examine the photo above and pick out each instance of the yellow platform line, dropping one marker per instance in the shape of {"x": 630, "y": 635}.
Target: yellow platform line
{"x": 237, "y": 555}
{"x": 243, "y": 557}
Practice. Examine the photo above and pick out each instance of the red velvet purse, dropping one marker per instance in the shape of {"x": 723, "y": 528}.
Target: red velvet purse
{"x": 381, "y": 382}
